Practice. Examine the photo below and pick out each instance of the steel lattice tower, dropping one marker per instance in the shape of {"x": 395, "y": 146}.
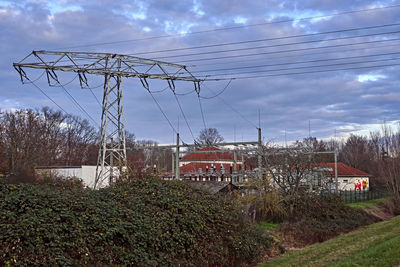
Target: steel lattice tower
{"x": 112, "y": 152}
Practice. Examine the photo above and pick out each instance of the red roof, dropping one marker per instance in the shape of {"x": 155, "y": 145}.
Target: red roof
{"x": 343, "y": 169}
{"x": 195, "y": 166}
{"x": 209, "y": 156}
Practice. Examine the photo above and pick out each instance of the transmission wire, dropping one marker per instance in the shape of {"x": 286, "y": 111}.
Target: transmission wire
{"x": 275, "y": 45}
{"x": 184, "y": 116}
{"x": 77, "y": 104}
{"x": 298, "y": 73}
{"x": 234, "y": 110}
{"x": 201, "y": 110}
{"x": 219, "y": 93}
{"x": 46, "y": 95}
{"x": 162, "y": 111}
{"x": 290, "y": 50}
{"x": 296, "y": 62}
{"x": 275, "y": 39}
{"x": 231, "y": 28}
{"x": 304, "y": 67}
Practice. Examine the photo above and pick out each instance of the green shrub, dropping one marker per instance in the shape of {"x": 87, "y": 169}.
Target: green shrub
{"x": 319, "y": 218}
{"x": 143, "y": 222}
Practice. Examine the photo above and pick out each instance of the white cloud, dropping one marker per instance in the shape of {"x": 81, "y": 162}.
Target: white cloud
{"x": 370, "y": 77}
{"x": 240, "y": 20}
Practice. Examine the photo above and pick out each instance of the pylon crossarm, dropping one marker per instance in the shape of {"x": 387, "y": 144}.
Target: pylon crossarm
{"x": 104, "y": 63}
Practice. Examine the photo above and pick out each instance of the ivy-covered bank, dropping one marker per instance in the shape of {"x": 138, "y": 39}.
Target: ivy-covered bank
{"x": 141, "y": 222}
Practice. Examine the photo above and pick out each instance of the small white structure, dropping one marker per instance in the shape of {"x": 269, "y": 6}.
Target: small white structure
{"x": 86, "y": 173}
{"x": 349, "y": 178}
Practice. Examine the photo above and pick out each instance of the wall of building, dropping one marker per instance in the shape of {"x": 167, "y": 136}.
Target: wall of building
{"x": 216, "y": 162}
{"x": 86, "y": 173}
{"x": 349, "y": 183}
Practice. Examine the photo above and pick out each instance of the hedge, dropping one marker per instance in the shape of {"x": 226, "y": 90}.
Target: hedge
{"x": 144, "y": 222}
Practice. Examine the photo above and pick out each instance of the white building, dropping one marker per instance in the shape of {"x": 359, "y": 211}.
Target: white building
{"x": 85, "y": 173}
{"x": 349, "y": 178}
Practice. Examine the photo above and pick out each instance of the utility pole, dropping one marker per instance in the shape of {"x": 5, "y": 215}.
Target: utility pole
{"x": 259, "y": 154}
{"x": 235, "y": 160}
{"x": 336, "y": 174}
{"x": 113, "y": 67}
{"x": 177, "y": 168}
{"x": 173, "y": 166}
{"x": 234, "y": 175}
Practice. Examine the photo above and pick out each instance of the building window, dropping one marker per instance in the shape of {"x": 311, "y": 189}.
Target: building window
{"x": 345, "y": 181}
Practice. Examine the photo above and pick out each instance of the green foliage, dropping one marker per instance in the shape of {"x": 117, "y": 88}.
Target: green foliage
{"x": 318, "y": 218}
{"x": 374, "y": 245}
{"x": 368, "y": 203}
{"x": 268, "y": 225}
{"x": 142, "y": 222}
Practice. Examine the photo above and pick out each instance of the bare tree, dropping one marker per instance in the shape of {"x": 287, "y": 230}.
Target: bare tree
{"x": 209, "y": 137}
{"x": 355, "y": 152}
{"x": 29, "y": 138}
{"x": 390, "y": 163}
{"x": 290, "y": 170}
{"x": 79, "y": 134}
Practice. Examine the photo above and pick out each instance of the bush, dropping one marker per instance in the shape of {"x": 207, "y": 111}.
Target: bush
{"x": 142, "y": 222}
{"x": 318, "y": 218}
{"x": 391, "y": 206}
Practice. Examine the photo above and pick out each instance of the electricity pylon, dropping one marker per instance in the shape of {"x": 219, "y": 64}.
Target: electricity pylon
{"x": 113, "y": 67}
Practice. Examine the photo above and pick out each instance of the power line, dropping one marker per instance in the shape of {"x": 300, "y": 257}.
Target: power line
{"x": 67, "y": 83}
{"x": 201, "y": 110}
{"x": 304, "y": 67}
{"x": 218, "y": 94}
{"x": 46, "y": 95}
{"x": 162, "y": 111}
{"x": 36, "y": 79}
{"x": 296, "y": 62}
{"x": 159, "y": 91}
{"x": 299, "y": 73}
{"x": 291, "y": 56}
{"x": 230, "y": 28}
{"x": 77, "y": 104}
{"x": 291, "y": 50}
{"x": 184, "y": 116}
{"x": 97, "y": 100}
{"x": 276, "y": 45}
{"x": 187, "y": 93}
{"x": 232, "y": 108}
{"x": 266, "y": 39}
{"x": 62, "y": 86}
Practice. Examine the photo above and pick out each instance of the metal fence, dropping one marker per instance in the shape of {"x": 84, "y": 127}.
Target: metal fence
{"x": 352, "y": 196}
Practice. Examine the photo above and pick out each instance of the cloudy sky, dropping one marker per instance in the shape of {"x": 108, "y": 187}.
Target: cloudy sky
{"x": 319, "y": 65}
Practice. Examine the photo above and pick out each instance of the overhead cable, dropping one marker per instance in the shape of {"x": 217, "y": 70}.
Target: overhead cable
{"x": 291, "y": 56}
{"x": 290, "y": 50}
{"x": 278, "y": 45}
{"x": 230, "y": 106}
{"x": 46, "y": 95}
{"x": 230, "y": 28}
{"x": 298, "y": 73}
{"x": 184, "y": 116}
{"x": 266, "y": 39}
{"x": 304, "y": 67}
{"x": 219, "y": 93}
{"x": 77, "y": 104}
